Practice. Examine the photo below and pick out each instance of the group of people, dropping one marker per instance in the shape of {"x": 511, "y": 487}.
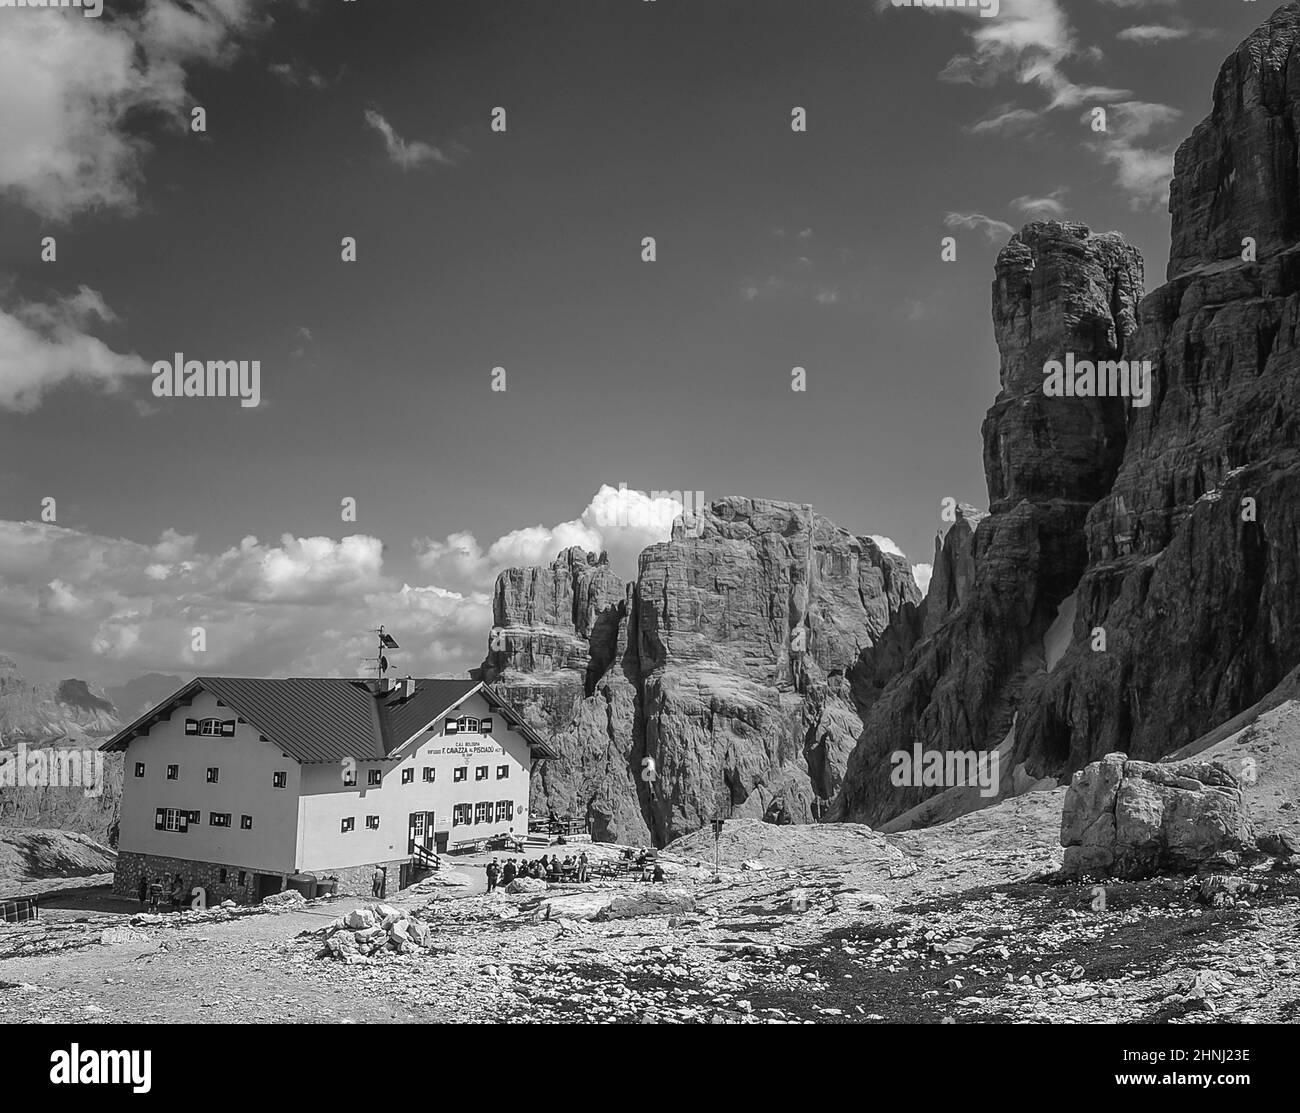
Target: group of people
{"x": 151, "y": 892}
{"x": 552, "y": 868}
{"x": 545, "y": 868}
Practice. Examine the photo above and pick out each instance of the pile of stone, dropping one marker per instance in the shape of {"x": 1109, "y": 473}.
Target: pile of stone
{"x": 373, "y": 932}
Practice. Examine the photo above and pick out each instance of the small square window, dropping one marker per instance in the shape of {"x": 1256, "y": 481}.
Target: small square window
{"x": 349, "y": 822}
{"x": 480, "y": 773}
{"x": 279, "y": 780}
{"x": 245, "y": 822}
{"x": 429, "y": 772}
{"x": 408, "y": 775}
{"x": 219, "y": 819}
{"x": 460, "y": 773}
{"x": 173, "y": 772}
{"x": 503, "y": 771}
{"x": 212, "y": 775}
{"x": 139, "y": 768}
{"x": 349, "y": 778}
{"x": 375, "y": 776}
{"x": 372, "y": 823}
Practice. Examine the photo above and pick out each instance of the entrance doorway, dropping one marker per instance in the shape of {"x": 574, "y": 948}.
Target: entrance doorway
{"x": 420, "y": 831}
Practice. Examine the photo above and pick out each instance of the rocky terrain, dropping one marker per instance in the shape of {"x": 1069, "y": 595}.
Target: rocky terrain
{"x": 67, "y": 713}
{"x": 1170, "y": 528}
{"x": 1130, "y": 587}
{"x": 717, "y": 683}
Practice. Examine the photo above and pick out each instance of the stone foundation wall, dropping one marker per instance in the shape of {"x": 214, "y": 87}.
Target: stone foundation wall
{"x": 356, "y": 880}
{"x": 352, "y": 880}
{"x": 207, "y": 875}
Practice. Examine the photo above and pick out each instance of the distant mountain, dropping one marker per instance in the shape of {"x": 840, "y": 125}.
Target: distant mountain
{"x": 46, "y": 712}
{"x": 137, "y": 696}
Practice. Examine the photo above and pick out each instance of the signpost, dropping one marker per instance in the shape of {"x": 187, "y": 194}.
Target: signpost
{"x": 717, "y": 836}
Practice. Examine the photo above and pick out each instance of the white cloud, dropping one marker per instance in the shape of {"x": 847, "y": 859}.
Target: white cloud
{"x": 921, "y": 573}
{"x": 45, "y": 344}
{"x": 114, "y": 608}
{"x": 619, "y": 521}
{"x": 1051, "y": 207}
{"x": 1142, "y": 169}
{"x": 993, "y": 230}
{"x": 407, "y": 155}
{"x": 887, "y": 545}
{"x": 1150, "y": 34}
{"x": 69, "y": 85}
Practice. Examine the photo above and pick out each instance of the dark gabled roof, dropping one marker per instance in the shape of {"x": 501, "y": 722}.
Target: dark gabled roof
{"x": 318, "y": 719}
{"x": 432, "y": 697}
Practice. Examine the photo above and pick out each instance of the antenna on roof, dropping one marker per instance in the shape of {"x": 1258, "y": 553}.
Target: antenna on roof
{"x": 380, "y": 660}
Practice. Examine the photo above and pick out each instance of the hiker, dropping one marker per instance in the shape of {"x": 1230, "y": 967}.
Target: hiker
{"x": 508, "y": 872}
{"x": 493, "y": 872}
{"x": 155, "y": 895}
{"x": 377, "y": 880}
{"x": 143, "y": 888}
{"x": 178, "y": 893}
{"x": 584, "y": 867}
{"x": 659, "y": 872}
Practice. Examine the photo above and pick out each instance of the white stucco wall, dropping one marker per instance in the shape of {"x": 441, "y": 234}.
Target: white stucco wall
{"x": 325, "y": 801}
{"x": 244, "y": 786}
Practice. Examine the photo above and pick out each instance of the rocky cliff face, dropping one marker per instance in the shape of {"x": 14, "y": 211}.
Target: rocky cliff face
{"x": 715, "y": 684}
{"x": 1178, "y": 581}
{"x": 1001, "y": 578}
{"x": 35, "y": 713}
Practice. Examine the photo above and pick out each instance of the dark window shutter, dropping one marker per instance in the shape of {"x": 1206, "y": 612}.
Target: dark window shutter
{"x": 191, "y": 726}
{"x": 453, "y": 726}
{"x": 486, "y": 726}
{"x": 158, "y": 820}
{"x": 182, "y": 822}
{"x": 228, "y": 728}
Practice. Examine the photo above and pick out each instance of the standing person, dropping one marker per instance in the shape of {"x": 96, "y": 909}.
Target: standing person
{"x": 143, "y": 888}
{"x": 493, "y": 872}
{"x": 377, "y": 880}
{"x": 178, "y": 893}
{"x": 155, "y": 895}
{"x": 508, "y": 871}
{"x": 584, "y": 867}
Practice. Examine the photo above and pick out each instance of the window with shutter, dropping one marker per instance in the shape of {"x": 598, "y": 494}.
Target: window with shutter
{"x": 158, "y": 820}
{"x": 191, "y": 726}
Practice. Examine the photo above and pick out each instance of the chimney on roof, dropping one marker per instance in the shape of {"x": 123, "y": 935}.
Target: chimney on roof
{"x": 408, "y": 688}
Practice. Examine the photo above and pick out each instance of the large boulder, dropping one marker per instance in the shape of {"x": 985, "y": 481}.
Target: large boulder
{"x": 1127, "y": 818}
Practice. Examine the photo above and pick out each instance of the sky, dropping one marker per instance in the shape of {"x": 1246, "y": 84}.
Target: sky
{"x": 523, "y": 250}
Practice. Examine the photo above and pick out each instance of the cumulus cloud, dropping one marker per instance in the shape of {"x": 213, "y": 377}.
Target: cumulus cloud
{"x": 921, "y": 573}
{"x": 618, "y": 521}
{"x": 69, "y": 85}
{"x": 407, "y": 155}
{"x": 43, "y": 344}
{"x": 115, "y": 608}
